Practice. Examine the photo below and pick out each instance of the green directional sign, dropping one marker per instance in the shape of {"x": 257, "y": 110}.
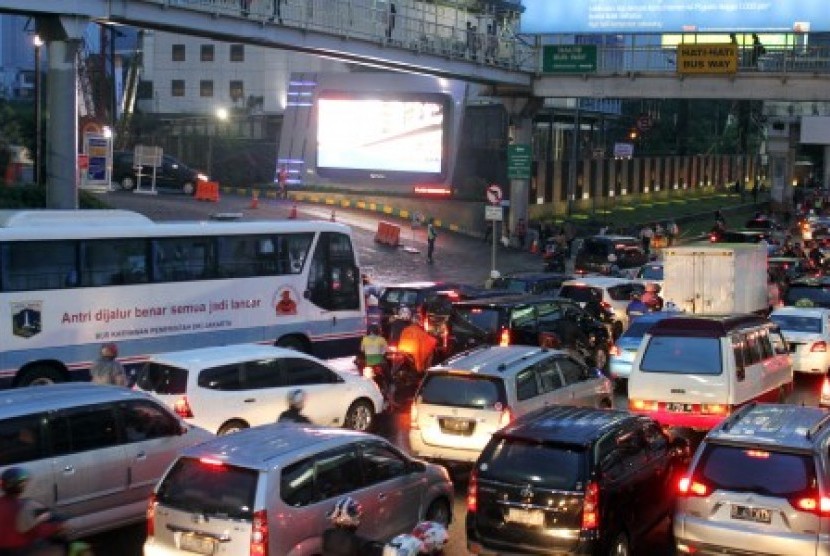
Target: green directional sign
{"x": 569, "y": 58}
{"x": 519, "y": 158}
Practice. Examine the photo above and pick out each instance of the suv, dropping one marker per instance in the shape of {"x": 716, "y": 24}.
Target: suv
{"x": 521, "y": 319}
{"x": 94, "y": 452}
{"x": 172, "y": 174}
{"x": 758, "y": 480}
{"x": 267, "y": 490}
{"x": 463, "y": 401}
{"x": 568, "y": 480}
{"x": 229, "y": 388}
{"x": 815, "y": 290}
{"x": 412, "y": 296}
{"x": 610, "y": 293}
{"x": 595, "y": 250}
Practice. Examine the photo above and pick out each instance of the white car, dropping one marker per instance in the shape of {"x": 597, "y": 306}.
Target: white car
{"x": 229, "y": 388}
{"x": 612, "y": 293}
{"x": 807, "y": 331}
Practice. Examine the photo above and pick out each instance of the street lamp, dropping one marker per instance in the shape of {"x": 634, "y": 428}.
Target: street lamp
{"x": 38, "y": 42}
{"x": 221, "y": 115}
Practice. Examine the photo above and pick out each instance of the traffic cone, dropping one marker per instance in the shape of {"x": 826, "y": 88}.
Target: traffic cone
{"x": 254, "y": 198}
{"x": 534, "y": 247}
{"x": 333, "y": 217}
{"x": 293, "y": 213}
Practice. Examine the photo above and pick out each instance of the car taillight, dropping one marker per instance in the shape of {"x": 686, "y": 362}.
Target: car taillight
{"x": 614, "y": 351}
{"x": 151, "y": 515}
{"x": 504, "y": 337}
{"x": 688, "y": 486}
{"x": 712, "y": 238}
{"x": 819, "y": 505}
{"x": 714, "y": 409}
{"x": 413, "y": 416}
{"x": 590, "y": 507}
{"x": 825, "y": 388}
{"x": 426, "y": 323}
{"x": 642, "y": 405}
{"x": 505, "y": 418}
{"x": 259, "y": 534}
{"x": 472, "y": 492}
{"x": 819, "y": 347}
{"x": 182, "y": 408}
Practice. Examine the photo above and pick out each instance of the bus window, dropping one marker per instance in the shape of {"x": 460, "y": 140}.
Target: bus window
{"x": 333, "y": 282}
{"x": 181, "y": 258}
{"x": 292, "y": 251}
{"x": 39, "y": 265}
{"x": 113, "y": 261}
{"x": 238, "y": 257}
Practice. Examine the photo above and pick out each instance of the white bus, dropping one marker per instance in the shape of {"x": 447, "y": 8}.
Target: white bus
{"x": 73, "y": 280}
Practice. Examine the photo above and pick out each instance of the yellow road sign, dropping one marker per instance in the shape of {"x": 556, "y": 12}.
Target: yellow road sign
{"x": 707, "y": 58}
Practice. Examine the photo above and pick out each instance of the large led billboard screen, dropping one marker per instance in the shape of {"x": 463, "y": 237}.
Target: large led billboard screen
{"x": 360, "y": 134}
{"x": 674, "y": 16}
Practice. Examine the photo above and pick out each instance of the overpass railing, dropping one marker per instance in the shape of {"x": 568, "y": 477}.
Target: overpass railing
{"x": 431, "y": 28}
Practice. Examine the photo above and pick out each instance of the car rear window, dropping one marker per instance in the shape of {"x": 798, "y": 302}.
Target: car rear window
{"x": 820, "y": 295}
{"x": 581, "y": 294}
{"x": 162, "y": 379}
{"x": 764, "y": 472}
{"x": 462, "y": 390}
{"x": 399, "y": 296}
{"x": 682, "y": 355}
{"x": 511, "y": 284}
{"x": 483, "y": 318}
{"x": 795, "y": 323}
{"x": 638, "y": 329}
{"x": 511, "y": 460}
{"x": 652, "y": 272}
{"x": 210, "y": 488}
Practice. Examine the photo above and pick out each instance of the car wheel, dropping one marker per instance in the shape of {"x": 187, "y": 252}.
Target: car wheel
{"x": 360, "y": 416}
{"x": 620, "y": 545}
{"x": 127, "y": 183}
{"x": 40, "y": 375}
{"x": 293, "y": 342}
{"x": 188, "y": 188}
{"x": 439, "y": 512}
{"x": 234, "y": 425}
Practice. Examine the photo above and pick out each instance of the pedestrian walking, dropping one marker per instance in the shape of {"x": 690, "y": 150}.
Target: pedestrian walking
{"x": 672, "y": 231}
{"x": 390, "y": 21}
{"x": 431, "y": 236}
{"x": 521, "y": 232}
{"x": 758, "y": 49}
{"x": 282, "y": 182}
{"x": 106, "y": 369}
{"x": 646, "y": 235}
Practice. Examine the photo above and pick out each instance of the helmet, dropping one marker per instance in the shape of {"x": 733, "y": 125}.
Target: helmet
{"x": 109, "y": 350}
{"x": 403, "y": 545}
{"x": 296, "y": 399}
{"x": 433, "y": 535}
{"x": 346, "y": 513}
{"x": 14, "y": 479}
{"x": 404, "y": 313}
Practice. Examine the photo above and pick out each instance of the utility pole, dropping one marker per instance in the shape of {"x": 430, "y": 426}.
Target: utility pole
{"x": 574, "y": 159}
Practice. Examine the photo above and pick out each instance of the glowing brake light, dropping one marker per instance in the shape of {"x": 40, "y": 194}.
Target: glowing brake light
{"x": 472, "y": 492}
{"x": 212, "y": 462}
{"x": 505, "y": 418}
{"x": 590, "y": 507}
{"x": 259, "y": 534}
{"x": 504, "y": 337}
{"x": 642, "y": 405}
{"x": 819, "y": 347}
{"x": 714, "y": 409}
{"x": 825, "y": 388}
{"x": 757, "y": 454}
{"x": 182, "y": 408}
{"x": 151, "y": 515}
{"x": 813, "y": 504}
{"x": 615, "y": 351}
{"x": 689, "y": 487}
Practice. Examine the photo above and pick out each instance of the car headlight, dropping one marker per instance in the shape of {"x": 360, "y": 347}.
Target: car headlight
{"x": 202, "y": 177}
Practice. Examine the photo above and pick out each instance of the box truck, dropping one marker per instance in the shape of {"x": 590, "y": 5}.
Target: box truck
{"x": 716, "y": 279}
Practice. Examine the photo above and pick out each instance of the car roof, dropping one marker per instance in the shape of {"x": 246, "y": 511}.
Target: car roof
{"x": 494, "y": 360}
{"x": 20, "y": 401}
{"x": 566, "y": 424}
{"x": 817, "y": 282}
{"x": 420, "y": 285}
{"x": 615, "y": 238}
{"x": 538, "y": 276}
{"x": 657, "y": 316}
{"x": 600, "y": 281}
{"x": 259, "y": 447}
{"x": 508, "y": 300}
{"x": 705, "y": 326}
{"x": 802, "y": 311}
{"x": 224, "y": 355}
{"x": 780, "y": 425}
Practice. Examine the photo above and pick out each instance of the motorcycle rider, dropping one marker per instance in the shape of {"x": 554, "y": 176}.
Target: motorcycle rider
{"x": 636, "y": 307}
{"x": 26, "y": 528}
{"x": 341, "y": 539}
{"x": 373, "y": 346}
{"x": 652, "y": 298}
{"x": 296, "y": 403}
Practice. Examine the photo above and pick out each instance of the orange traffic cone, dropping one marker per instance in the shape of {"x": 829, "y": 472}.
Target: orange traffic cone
{"x": 333, "y": 217}
{"x": 534, "y": 247}
{"x": 254, "y": 199}
{"x": 293, "y": 213}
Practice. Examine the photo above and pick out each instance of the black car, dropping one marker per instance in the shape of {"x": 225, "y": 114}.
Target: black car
{"x": 522, "y": 320}
{"x": 569, "y": 480}
{"x": 171, "y": 174}
{"x": 739, "y": 236}
{"x": 410, "y": 297}
{"x": 814, "y": 292}
{"x": 534, "y": 283}
{"x": 595, "y": 254}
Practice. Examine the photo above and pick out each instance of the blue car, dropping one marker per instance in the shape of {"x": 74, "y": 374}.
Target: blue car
{"x": 625, "y": 349}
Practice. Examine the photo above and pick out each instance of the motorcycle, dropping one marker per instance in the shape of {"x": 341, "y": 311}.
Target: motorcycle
{"x": 396, "y": 378}
{"x": 555, "y": 257}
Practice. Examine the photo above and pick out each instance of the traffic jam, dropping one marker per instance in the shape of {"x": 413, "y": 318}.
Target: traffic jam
{"x": 624, "y": 384}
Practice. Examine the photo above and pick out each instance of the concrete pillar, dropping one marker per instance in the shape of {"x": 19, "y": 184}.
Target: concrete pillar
{"x": 63, "y": 37}
{"x": 521, "y": 111}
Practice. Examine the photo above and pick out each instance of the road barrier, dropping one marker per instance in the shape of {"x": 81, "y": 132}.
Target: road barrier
{"x": 207, "y": 191}
{"x": 388, "y": 234}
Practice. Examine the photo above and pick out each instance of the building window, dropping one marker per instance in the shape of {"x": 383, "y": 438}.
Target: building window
{"x": 237, "y": 91}
{"x": 177, "y": 88}
{"x": 178, "y": 53}
{"x": 207, "y": 53}
{"x": 237, "y": 53}
{"x": 206, "y": 88}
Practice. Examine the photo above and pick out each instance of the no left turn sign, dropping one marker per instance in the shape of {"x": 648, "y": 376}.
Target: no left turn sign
{"x": 494, "y": 194}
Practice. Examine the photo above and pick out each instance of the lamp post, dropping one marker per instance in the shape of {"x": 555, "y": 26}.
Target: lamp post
{"x": 38, "y": 42}
{"x": 222, "y": 116}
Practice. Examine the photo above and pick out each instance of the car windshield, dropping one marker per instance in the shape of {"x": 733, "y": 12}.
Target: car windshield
{"x": 796, "y": 323}
{"x": 510, "y": 284}
{"x": 652, "y": 272}
{"x": 819, "y": 295}
{"x": 462, "y": 390}
{"x": 750, "y": 470}
{"x": 482, "y": 318}
{"x": 682, "y": 355}
{"x": 208, "y": 488}
{"x": 580, "y": 294}
{"x": 514, "y": 460}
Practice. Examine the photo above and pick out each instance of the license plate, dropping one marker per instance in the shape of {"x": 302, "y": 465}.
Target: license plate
{"x": 748, "y": 513}
{"x": 530, "y": 518}
{"x": 461, "y": 426}
{"x": 679, "y": 407}
{"x": 197, "y": 543}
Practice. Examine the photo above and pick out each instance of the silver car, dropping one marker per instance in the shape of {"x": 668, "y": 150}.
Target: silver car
{"x": 266, "y": 490}
{"x": 94, "y": 452}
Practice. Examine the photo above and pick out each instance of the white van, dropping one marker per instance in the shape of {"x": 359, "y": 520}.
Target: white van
{"x": 691, "y": 372}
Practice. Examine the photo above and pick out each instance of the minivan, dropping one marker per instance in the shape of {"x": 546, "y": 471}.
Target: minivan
{"x": 267, "y": 490}
{"x": 693, "y": 371}
{"x": 593, "y": 256}
{"x": 94, "y": 452}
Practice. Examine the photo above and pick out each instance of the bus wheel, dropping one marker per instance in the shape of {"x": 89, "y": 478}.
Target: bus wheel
{"x": 40, "y": 375}
{"x": 293, "y": 342}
